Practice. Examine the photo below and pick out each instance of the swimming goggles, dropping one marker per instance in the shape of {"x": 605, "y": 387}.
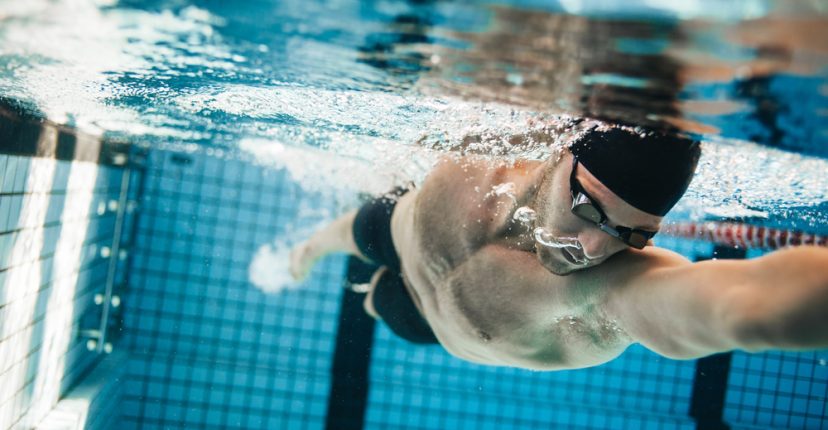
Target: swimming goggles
{"x": 585, "y": 207}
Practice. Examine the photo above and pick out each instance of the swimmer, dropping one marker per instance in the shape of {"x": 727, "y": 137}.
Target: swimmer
{"x": 560, "y": 272}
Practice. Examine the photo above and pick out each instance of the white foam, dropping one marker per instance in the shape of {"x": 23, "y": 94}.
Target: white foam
{"x": 546, "y": 238}
{"x": 525, "y": 215}
{"x": 269, "y": 269}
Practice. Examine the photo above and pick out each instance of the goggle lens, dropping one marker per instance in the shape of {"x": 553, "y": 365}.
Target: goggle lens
{"x": 584, "y": 209}
{"x": 636, "y": 240}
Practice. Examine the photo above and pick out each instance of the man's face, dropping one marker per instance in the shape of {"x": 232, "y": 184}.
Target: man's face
{"x": 588, "y": 244}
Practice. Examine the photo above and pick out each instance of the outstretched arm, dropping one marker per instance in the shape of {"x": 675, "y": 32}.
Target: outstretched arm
{"x": 684, "y": 310}
{"x": 335, "y": 237}
{"x": 654, "y": 297}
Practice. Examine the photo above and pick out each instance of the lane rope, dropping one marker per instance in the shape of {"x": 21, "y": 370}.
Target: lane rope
{"x": 740, "y": 235}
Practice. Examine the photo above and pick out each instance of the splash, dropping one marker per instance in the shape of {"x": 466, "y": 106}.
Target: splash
{"x": 568, "y": 319}
{"x": 269, "y": 270}
{"x": 545, "y": 238}
{"x": 507, "y": 189}
{"x": 525, "y": 215}
{"x": 528, "y": 216}
{"x": 169, "y": 73}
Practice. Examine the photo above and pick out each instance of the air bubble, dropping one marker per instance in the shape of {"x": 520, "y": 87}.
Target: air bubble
{"x": 507, "y": 189}
{"x": 526, "y": 215}
{"x": 546, "y": 238}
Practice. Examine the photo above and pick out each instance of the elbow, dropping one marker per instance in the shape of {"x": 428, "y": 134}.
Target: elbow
{"x": 802, "y": 327}
{"x": 752, "y": 334}
{"x": 786, "y": 307}
{"x": 751, "y": 322}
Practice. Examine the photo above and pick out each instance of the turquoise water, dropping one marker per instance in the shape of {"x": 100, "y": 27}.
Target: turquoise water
{"x": 263, "y": 119}
{"x": 377, "y": 83}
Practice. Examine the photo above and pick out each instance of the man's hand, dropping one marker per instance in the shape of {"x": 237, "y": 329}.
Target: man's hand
{"x": 301, "y": 261}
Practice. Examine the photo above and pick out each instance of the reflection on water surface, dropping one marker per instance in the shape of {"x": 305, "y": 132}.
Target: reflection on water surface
{"x": 367, "y": 82}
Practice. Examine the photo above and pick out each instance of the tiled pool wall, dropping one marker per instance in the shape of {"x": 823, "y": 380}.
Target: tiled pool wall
{"x": 57, "y": 224}
{"x": 210, "y": 350}
{"x": 204, "y": 348}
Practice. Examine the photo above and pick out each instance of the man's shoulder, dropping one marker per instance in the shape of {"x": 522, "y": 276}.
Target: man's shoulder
{"x": 638, "y": 261}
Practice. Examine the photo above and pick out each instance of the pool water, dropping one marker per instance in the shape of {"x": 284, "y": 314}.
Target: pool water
{"x": 380, "y": 82}
{"x": 248, "y": 124}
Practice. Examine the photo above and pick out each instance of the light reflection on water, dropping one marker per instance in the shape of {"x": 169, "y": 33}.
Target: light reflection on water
{"x": 381, "y": 83}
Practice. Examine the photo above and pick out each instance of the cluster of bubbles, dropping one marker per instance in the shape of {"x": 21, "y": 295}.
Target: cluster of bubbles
{"x": 528, "y": 217}
{"x": 91, "y": 76}
{"x": 546, "y": 238}
{"x": 567, "y": 319}
{"x": 525, "y": 215}
{"x": 170, "y": 75}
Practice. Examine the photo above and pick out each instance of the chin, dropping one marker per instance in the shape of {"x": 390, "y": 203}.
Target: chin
{"x": 566, "y": 270}
{"x": 550, "y": 260}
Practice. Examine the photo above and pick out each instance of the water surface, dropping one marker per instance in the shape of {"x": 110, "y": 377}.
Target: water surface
{"x": 328, "y": 89}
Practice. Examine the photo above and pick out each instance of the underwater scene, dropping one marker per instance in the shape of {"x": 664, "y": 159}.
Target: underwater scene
{"x": 413, "y": 214}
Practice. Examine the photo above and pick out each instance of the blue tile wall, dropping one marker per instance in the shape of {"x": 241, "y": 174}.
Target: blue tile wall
{"x": 179, "y": 393}
{"x": 438, "y": 389}
{"x": 210, "y": 350}
{"x": 778, "y": 390}
{"x": 55, "y": 221}
{"x": 423, "y": 407}
{"x": 94, "y": 402}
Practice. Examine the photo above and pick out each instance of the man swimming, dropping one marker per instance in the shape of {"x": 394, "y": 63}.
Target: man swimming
{"x": 489, "y": 260}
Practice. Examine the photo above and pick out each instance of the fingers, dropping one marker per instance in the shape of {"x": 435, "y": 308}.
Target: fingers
{"x": 299, "y": 264}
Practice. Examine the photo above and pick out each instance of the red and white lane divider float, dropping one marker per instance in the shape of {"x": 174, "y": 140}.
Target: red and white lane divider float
{"x": 739, "y": 235}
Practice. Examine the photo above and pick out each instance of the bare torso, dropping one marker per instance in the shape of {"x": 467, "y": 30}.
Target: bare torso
{"x": 451, "y": 218}
{"x": 492, "y": 294}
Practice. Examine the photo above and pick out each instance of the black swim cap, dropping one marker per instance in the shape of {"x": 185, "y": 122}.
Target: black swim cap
{"x": 650, "y": 170}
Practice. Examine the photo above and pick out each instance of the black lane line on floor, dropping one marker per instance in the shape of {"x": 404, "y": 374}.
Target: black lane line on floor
{"x": 710, "y": 383}
{"x": 348, "y": 398}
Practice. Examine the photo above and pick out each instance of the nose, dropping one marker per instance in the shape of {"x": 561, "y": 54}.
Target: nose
{"x": 597, "y": 244}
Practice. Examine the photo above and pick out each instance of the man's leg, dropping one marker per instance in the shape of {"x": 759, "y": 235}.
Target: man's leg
{"x": 335, "y": 237}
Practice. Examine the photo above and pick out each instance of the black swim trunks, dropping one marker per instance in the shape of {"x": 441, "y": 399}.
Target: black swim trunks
{"x": 393, "y": 303}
